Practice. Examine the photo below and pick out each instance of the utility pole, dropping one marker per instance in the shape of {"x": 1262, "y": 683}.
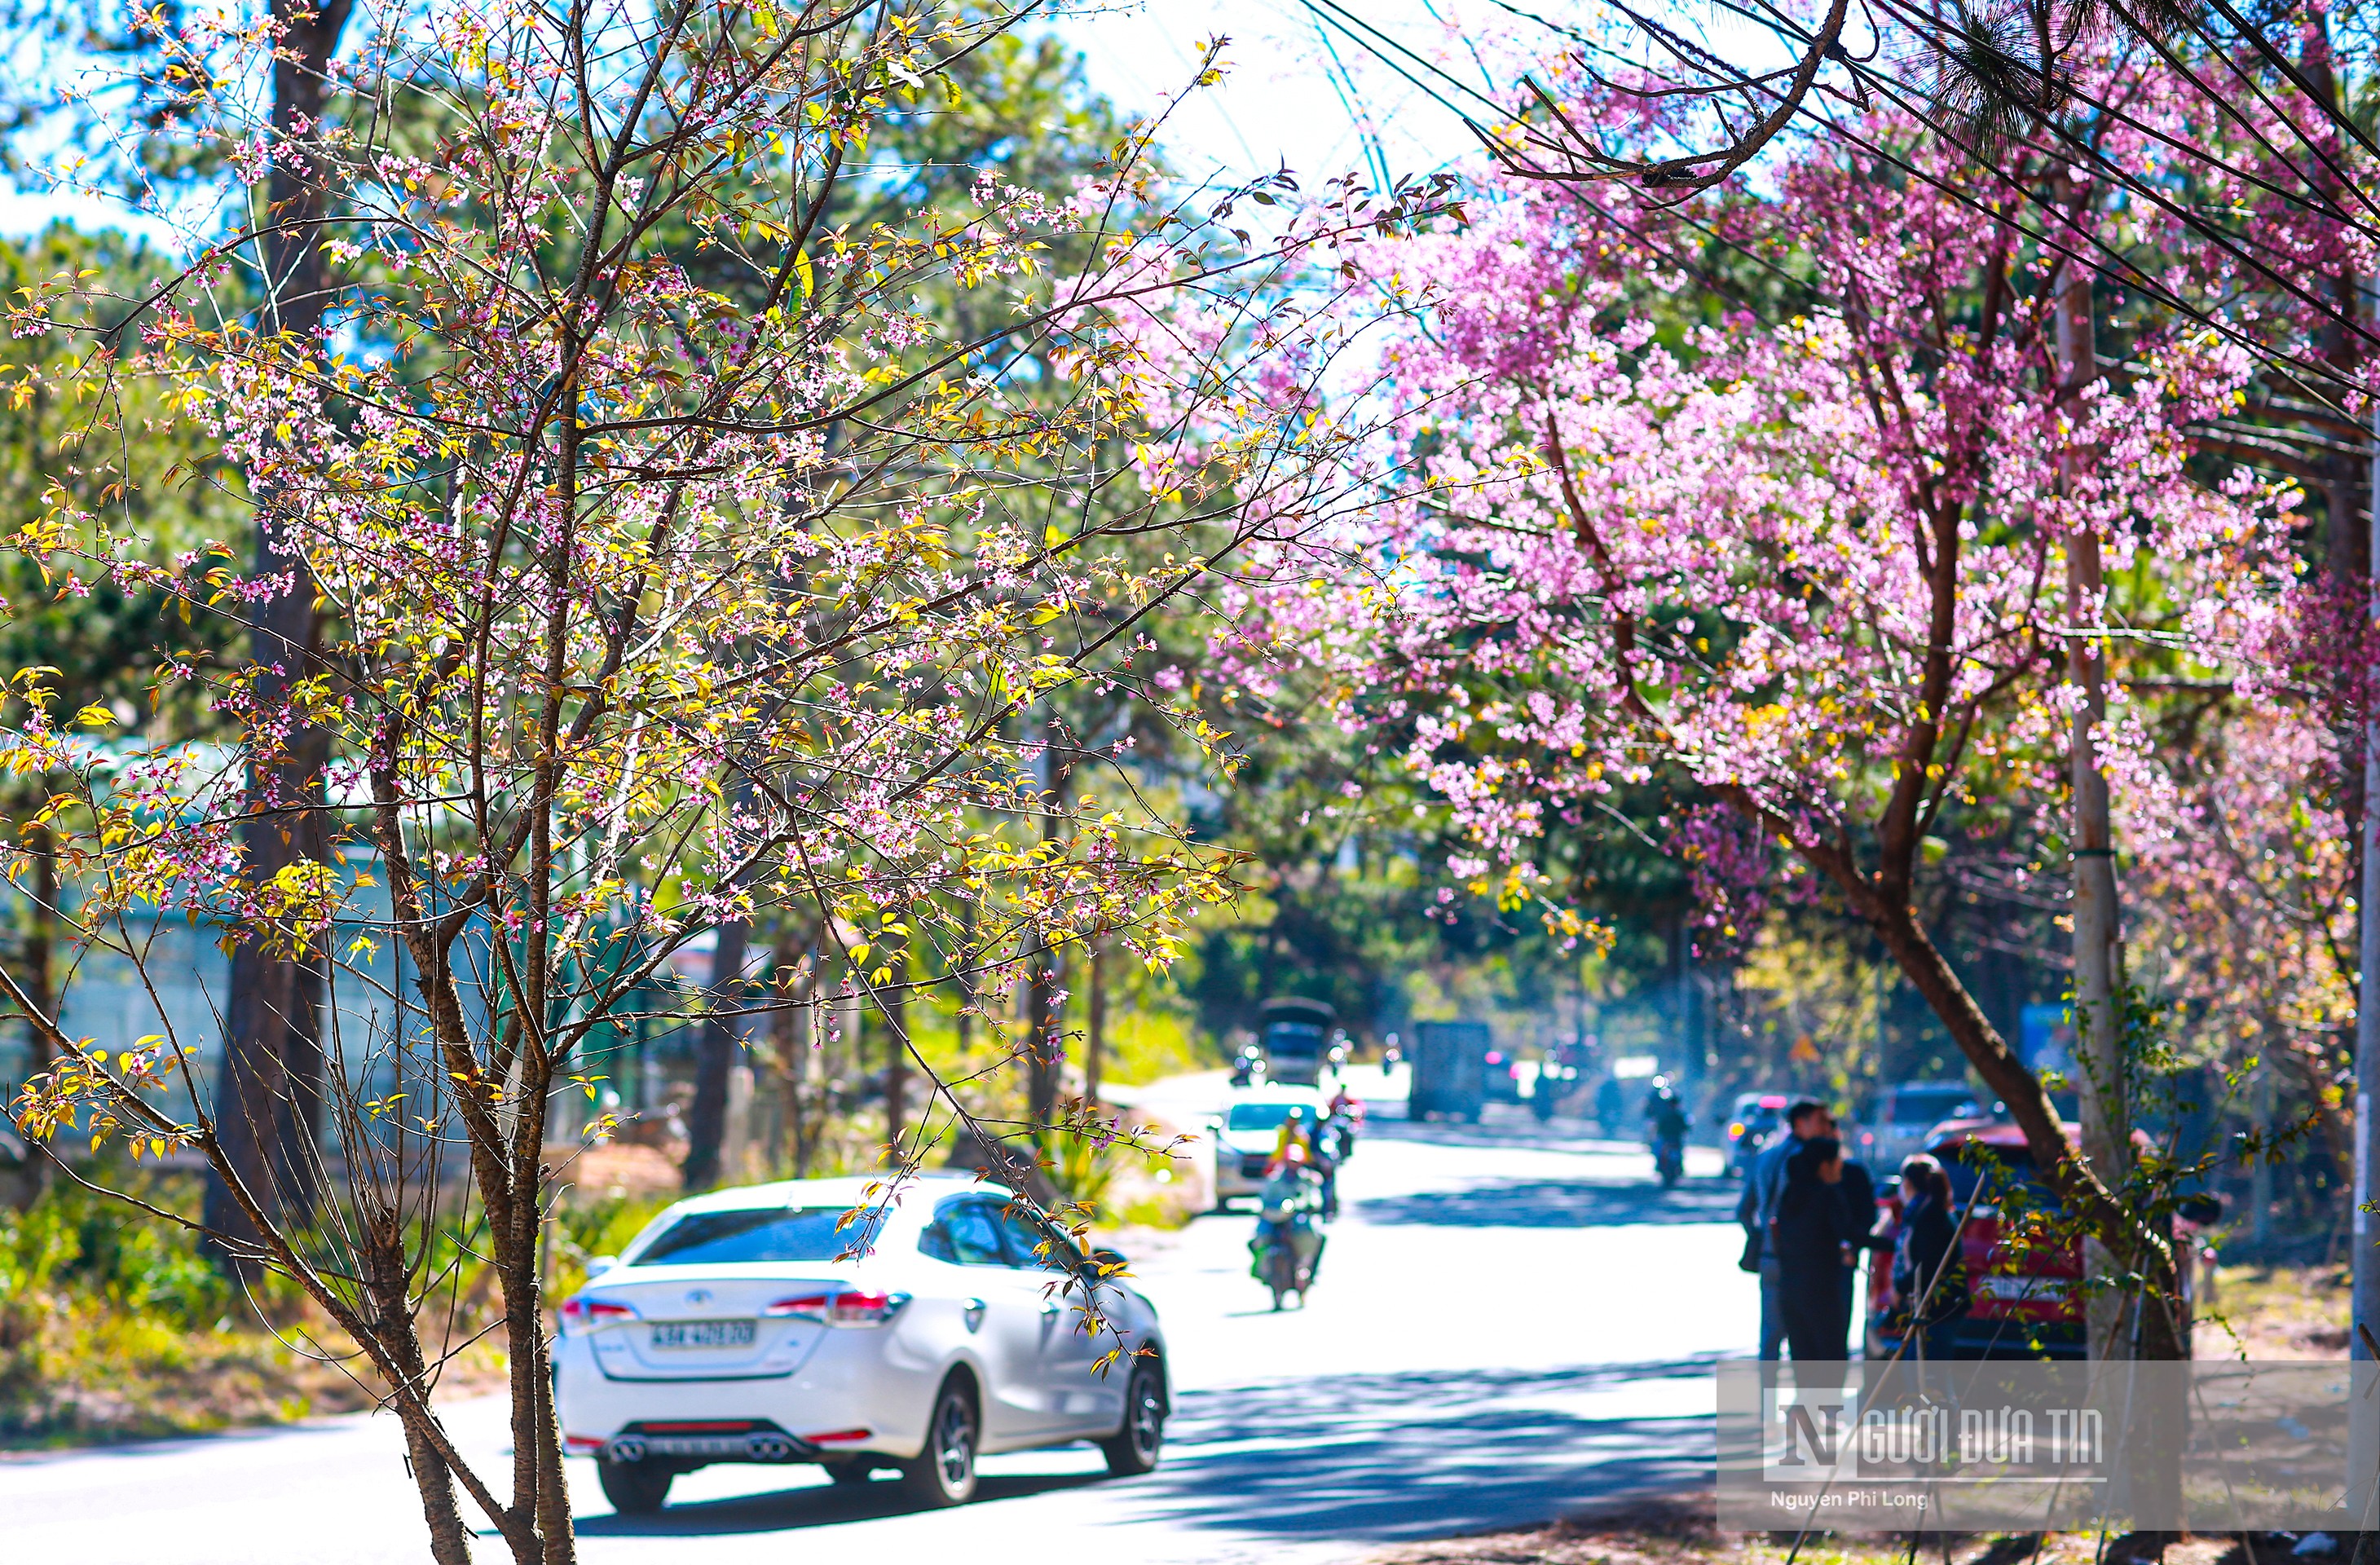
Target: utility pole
{"x": 2363, "y": 1423}
{"x": 2106, "y": 1121}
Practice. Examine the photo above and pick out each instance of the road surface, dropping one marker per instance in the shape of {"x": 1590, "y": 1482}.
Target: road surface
{"x": 1510, "y": 1324}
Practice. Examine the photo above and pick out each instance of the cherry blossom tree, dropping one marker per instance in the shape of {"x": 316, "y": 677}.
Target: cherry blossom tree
{"x": 1809, "y": 566}
{"x": 647, "y": 609}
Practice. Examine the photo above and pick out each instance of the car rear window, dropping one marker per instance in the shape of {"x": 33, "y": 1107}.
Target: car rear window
{"x": 762, "y": 1234}
{"x": 1908, "y": 1106}
{"x": 1293, "y": 1038}
{"x": 1260, "y": 1116}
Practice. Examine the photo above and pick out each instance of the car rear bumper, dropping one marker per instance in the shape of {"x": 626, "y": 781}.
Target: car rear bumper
{"x": 831, "y": 1408}
{"x": 1974, "y": 1337}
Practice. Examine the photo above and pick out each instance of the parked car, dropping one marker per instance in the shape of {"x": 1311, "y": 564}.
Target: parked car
{"x": 1755, "y": 1120}
{"x": 1904, "y": 1119}
{"x": 768, "y": 1325}
{"x": 2024, "y": 1303}
{"x": 1247, "y": 1132}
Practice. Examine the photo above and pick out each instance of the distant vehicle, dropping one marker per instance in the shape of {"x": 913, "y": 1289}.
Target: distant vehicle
{"x": 1248, "y": 1065}
{"x": 1904, "y": 1119}
{"x": 756, "y": 1326}
{"x": 2033, "y": 1313}
{"x": 1752, "y": 1124}
{"x": 1249, "y": 1130}
{"x": 1450, "y": 1068}
{"x": 1501, "y": 1076}
{"x": 1296, "y": 1039}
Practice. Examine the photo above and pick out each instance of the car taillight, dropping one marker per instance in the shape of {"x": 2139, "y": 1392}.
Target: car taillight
{"x": 845, "y": 1307}
{"x": 1735, "y": 1131}
{"x": 582, "y": 1312}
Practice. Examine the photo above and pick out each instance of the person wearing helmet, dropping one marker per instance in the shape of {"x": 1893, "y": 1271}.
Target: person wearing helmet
{"x": 1286, "y": 1208}
{"x": 1665, "y": 1124}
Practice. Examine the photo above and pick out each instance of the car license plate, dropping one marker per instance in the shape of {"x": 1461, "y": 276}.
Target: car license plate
{"x": 704, "y": 1334}
{"x": 2038, "y": 1289}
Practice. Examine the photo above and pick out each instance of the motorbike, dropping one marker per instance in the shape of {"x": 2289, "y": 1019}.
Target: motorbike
{"x": 1248, "y": 1066}
{"x": 1670, "y": 1160}
{"x": 1287, "y": 1249}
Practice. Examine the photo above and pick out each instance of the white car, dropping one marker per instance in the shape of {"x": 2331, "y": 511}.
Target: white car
{"x": 766, "y": 1325}
{"x": 1249, "y": 1129}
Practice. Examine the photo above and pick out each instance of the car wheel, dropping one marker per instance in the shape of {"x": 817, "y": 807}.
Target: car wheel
{"x": 849, "y": 1474}
{"x": 944, "y": 1474}
{"x": 634, "y": 1489}
{"x": 1134, "y": 1450}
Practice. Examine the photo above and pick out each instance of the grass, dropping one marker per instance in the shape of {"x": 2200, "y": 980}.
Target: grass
{"x": 114, "y": 1327}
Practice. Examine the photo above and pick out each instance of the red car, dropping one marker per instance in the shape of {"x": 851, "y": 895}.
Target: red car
{"x": 2024, "y": 1300}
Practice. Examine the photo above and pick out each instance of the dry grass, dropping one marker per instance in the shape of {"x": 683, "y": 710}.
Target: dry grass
{"x": 1681, "y": 1532}
{"x": 81, "y": 1371}
{"x": 2275, "y": 1312}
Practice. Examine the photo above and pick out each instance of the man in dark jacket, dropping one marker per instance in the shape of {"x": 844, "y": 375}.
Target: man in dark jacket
{"x": 1763, "y": 1183}
{"x": 1813, "y": 1234}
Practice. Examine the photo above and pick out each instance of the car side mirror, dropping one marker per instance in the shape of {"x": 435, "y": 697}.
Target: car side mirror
{"x": 597, "y": 1265}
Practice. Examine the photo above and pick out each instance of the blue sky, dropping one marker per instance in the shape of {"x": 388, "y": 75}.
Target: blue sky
{"x": 1286, "y": 97}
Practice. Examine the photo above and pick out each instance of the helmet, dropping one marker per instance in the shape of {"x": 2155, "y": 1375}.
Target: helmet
{"x": 1295, "y": 1155}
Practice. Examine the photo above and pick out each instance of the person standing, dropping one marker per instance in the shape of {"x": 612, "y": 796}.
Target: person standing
{"x": 1928, "y": 1284}
{"x": 1813, "y": 1238}
{"x": 1757, "y": 1209}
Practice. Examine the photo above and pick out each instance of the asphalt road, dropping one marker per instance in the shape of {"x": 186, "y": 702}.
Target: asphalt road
{"x": 1510, "y": 1324}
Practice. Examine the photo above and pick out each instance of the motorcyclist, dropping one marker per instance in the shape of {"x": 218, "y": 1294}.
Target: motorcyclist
{"x": 1345, "y": 1118}
{"x": 1297, "y": 1129}
{"x": 1286, "y": 1207}
{"x": 1665, "y": 1124}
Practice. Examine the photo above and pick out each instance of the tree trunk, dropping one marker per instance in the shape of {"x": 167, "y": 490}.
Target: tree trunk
{"x": 893, "y": 999}
{"x": 1930, "y": 973}
{"x": 40, "y": 961}
{"x": 785, "y": 1040}
{"x": 387, "y": 1287}
{"x": 297, "y": 1139}
{"x": 706, "y": 1120}
{"x": 1043, "y": 1048}
{"x": 1095, "y": 1023}
{"x": 285, "y": 789}
{"x": 964, "y": 1023}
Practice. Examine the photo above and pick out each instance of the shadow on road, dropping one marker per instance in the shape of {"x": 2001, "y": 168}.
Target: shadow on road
{"x": 1555, "y": 1203}
{"x": 1364, "y": 1458}
{"x": 1421, "y": 1454}
{"x": 786, "y": 1510}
